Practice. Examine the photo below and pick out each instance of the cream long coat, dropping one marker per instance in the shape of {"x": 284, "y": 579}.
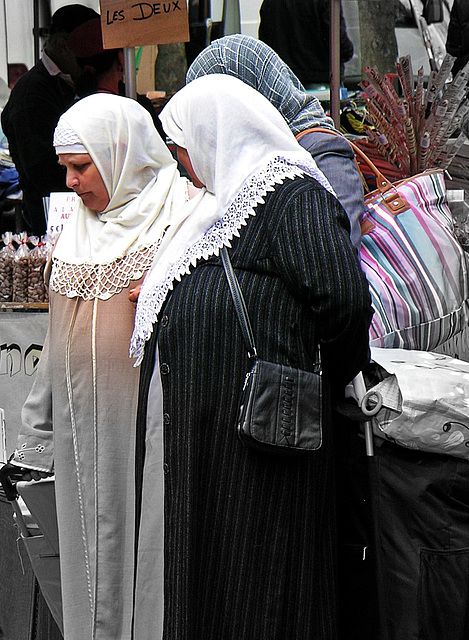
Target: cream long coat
{"x": 86, "y": 391}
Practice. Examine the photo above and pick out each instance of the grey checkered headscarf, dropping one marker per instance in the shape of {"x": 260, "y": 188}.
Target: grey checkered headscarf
{"x": 256, "y": 64}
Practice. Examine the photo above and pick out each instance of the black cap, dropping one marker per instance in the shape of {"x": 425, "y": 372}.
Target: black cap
{"x": 70, "y": 17}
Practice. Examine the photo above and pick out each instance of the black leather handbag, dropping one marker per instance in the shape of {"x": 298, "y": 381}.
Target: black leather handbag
{"x": 281, "y": 406}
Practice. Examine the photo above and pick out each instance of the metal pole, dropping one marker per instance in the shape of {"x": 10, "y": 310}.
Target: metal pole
{"x": 360, "y": 389}
{"x": 335, "y": 62}
{"x": 36, "y": 32}
{"x": 130, "y": 73}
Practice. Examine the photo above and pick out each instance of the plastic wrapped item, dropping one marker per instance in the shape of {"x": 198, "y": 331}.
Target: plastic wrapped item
{"x": 37, "y": 290}
{"x": 7, "y": 256}
{"x": 460, "y": 212}
{"x": 420, "y": 402}
{"x": 461, "y": 229}
{"x": 21, "y": 269}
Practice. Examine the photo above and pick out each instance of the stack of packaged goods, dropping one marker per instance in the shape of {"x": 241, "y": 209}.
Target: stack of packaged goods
{"x": 22, "y": 263}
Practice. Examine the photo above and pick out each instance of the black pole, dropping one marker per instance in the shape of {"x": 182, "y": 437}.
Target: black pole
{"x": 36, "y": 35}
{"x": 334, "y": 82}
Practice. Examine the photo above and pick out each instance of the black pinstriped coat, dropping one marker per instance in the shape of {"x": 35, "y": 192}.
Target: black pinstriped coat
{"x": 249, "y": 539}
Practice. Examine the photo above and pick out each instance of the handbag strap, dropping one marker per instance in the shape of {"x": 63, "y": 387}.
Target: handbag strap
{"x": 239, "y": 303}
{"x": 242, "y": 312}
{"x": 392, "y": 199}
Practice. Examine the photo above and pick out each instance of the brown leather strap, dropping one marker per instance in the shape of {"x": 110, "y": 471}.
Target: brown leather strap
{"x": 391, "y": 198}
{"x": 318, "y": 130}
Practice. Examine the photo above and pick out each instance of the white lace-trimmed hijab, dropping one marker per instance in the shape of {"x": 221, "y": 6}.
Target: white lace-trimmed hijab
{"x": 240, "y": 148}
{"x": 98, "y": 253}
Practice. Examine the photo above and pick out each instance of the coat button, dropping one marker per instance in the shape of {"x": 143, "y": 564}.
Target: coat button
{"x": 166, "y": 418}
{"x": 164, "y": 369}
{"x": 165, "y": 468}
{"x": 164, "y": 321}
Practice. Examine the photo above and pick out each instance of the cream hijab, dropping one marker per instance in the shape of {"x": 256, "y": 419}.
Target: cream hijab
{"x": 240, "y": 147}
{"x": 147, "y": 196}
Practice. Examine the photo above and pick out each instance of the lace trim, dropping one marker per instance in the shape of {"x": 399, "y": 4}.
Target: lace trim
{"x": 102, "y": 281}
{"x": 65, "y": 137}
{"x": 218, "y": 235}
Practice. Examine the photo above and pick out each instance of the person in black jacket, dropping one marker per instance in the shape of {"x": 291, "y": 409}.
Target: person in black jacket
{"x": 35, "y": 105}
{"x": 299, "y": 31}
{"x": 457, "y": 42}
{"x": 249, "y": 538}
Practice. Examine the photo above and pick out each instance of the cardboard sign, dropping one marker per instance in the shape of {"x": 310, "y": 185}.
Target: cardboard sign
{"x": 129, "y": 23}
{"x": 61, "y": 207}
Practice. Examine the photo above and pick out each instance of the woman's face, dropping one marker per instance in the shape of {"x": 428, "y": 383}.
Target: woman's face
{"x": 84, "y": 178}
{"x": 184, "y": 159}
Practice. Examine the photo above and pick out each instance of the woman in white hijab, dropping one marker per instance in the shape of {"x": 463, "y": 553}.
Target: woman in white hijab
{"x": 248, "y": 539}
{"x": 79, "y": 419}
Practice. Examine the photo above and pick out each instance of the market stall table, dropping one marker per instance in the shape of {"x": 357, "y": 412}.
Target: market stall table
{"x": 23, "y": 612}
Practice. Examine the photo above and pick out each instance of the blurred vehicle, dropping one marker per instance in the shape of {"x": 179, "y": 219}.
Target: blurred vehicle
{"x": 421, "y": 29}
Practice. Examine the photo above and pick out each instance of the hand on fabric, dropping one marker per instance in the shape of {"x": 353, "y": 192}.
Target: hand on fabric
{"x": 134, "y": 293}
{"x": 31, "y": 474}
{"x": 192, "y": 190}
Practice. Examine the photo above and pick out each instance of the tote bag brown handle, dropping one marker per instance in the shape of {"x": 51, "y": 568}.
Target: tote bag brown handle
{"x": 391, "y": 198}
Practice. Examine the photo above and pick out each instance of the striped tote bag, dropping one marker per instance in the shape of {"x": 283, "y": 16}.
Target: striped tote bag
{"x": 416, "y": 269}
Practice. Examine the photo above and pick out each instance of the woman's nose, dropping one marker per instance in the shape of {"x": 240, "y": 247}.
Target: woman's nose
{"x": 71, "y": 180}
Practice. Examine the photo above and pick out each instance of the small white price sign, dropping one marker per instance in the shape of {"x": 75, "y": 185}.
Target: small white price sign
{"x": 61, "y": 207}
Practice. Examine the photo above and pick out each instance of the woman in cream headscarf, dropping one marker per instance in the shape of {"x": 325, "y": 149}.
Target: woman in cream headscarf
{"x": 79, "y": 419}
{"x": 249, "y": 539}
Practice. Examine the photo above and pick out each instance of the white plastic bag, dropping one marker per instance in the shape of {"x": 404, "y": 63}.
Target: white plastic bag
{"x": 425, "y": 401}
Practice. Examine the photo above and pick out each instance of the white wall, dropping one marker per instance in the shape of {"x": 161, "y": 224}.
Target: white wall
{"x": 19, "y": 31}
{"x": 56, "y": 4}
{"x": 3, "y": 58}
{"x": 249, "y": 14}
{"x": 250, "y": 17}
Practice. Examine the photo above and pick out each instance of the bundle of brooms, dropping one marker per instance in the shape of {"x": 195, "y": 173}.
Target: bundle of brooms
{"x": 423, "y": 127}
